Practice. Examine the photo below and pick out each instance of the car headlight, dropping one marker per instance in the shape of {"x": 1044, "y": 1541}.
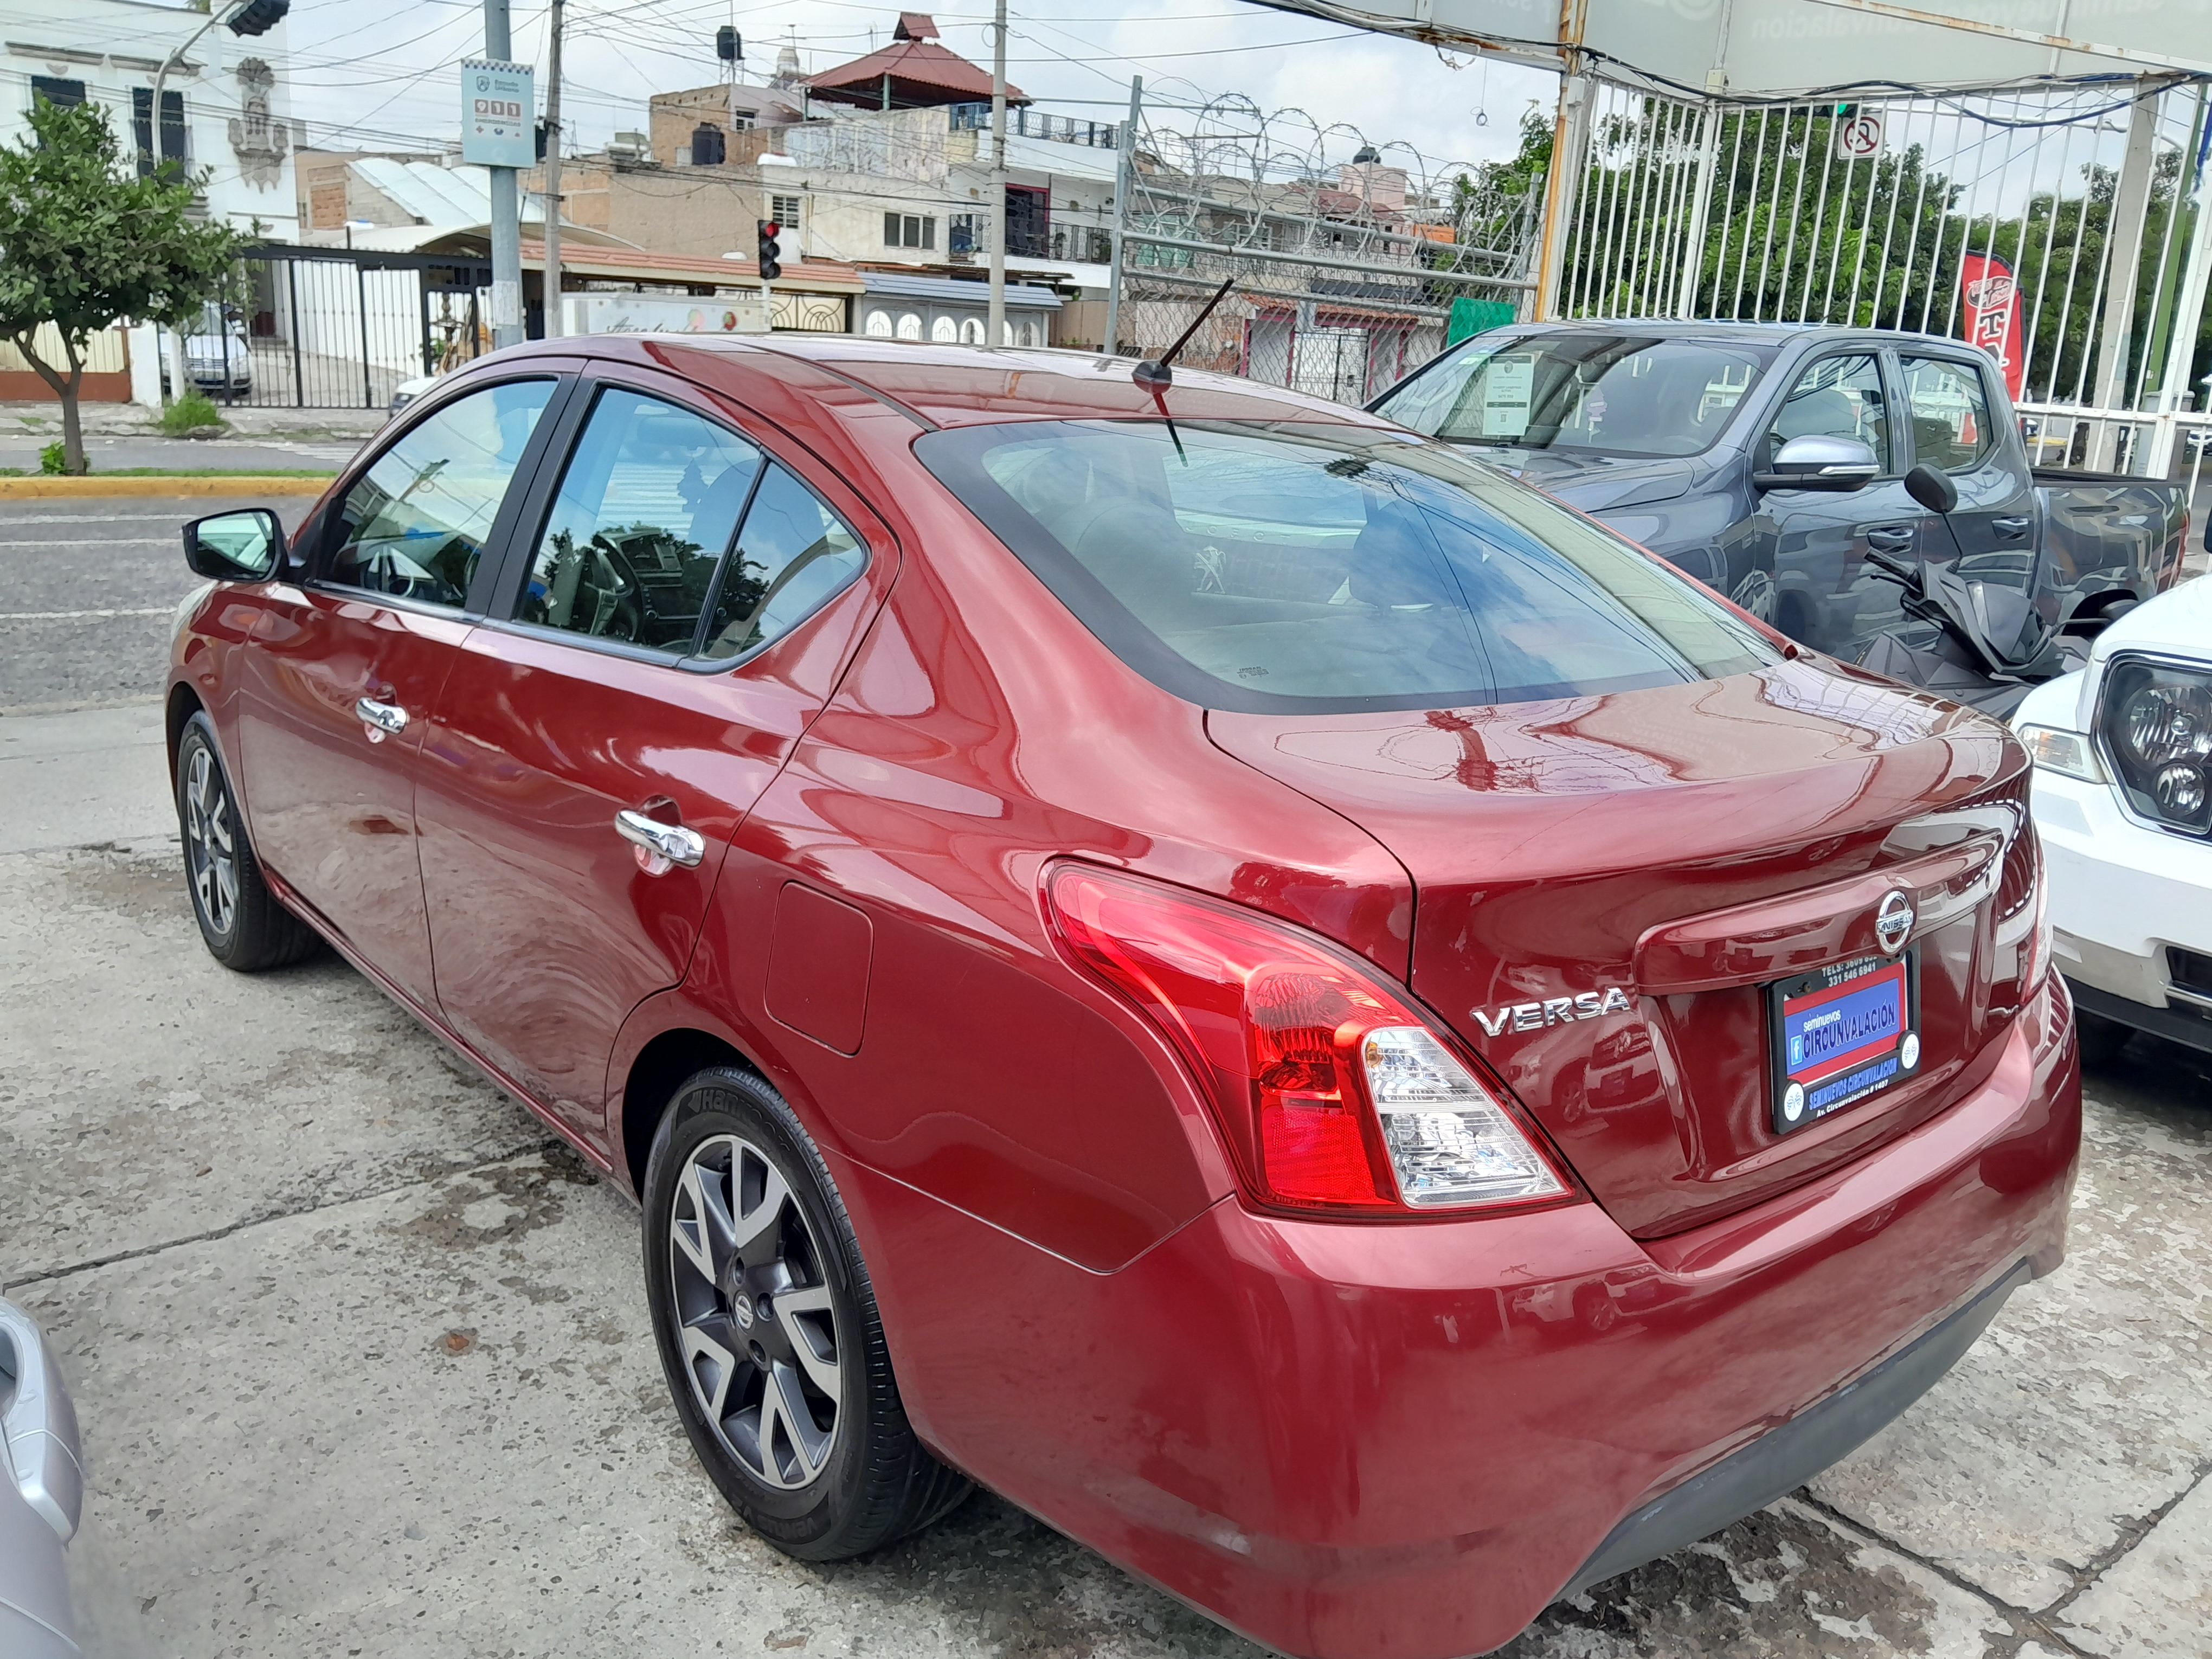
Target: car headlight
{"x": 2068, "y": 753}
{"x": 2156, "y": 721}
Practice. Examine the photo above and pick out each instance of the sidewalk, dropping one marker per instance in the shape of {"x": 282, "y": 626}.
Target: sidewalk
{"x": 20, "y": 421}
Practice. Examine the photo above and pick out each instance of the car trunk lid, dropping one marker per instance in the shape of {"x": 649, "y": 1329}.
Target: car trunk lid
{"x": 1687, "y": 845}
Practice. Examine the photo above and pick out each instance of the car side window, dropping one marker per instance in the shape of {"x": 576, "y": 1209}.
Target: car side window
{"x": 792, "y": 555}
{"x": 414, "y": 525}
{"x": 1950, "y": 412}
{"x": 647, "y": 504}
{"x": 1838, "y": 397}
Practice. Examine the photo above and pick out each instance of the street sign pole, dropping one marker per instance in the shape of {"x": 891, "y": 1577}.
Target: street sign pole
{"x": 506, "y": 221}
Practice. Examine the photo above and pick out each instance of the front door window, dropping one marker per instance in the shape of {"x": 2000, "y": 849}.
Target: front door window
{"x": 1838, "y": 397}
{"x": 415, "y": 525}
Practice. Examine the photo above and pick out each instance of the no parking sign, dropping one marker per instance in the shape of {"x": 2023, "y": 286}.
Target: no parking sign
{"x": 1858, "y": 132}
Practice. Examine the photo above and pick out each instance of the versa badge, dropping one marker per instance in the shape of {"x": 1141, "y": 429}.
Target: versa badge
{"x": 1552, "y": 1010}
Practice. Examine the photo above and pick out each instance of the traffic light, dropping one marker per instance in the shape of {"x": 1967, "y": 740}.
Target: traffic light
{"x": 257, "y": 16}
{"x": 729, "y": 44}
{"x": 770, "y": 253}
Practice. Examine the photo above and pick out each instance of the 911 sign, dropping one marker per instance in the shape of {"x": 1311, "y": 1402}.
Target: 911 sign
{"x": 499, "y": 110}
{"x": 1858, "y": 132}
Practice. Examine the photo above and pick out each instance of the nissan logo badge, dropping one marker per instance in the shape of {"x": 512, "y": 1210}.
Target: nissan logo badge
{"x": 1892, "y": 922}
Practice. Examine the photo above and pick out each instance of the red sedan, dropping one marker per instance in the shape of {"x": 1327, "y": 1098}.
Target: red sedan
{"x": 1088, "y": 915}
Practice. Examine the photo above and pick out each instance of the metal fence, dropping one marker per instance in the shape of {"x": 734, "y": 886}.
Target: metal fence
{"x": 330, "y": 328}
{"x": 2059, "y": 226}
{"x": 1344, "y": 260}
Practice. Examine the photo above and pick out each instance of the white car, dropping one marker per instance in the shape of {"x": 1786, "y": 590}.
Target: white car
{"x": 41, "y": 1491}
{"x": 2123, "y": 798}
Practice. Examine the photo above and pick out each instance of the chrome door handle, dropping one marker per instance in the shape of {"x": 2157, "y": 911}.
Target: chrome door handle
{"x": 1890, "y": 538}
{"x": 660, "y": 844}
{"x": 383, "y": 720}
{"x": 2011, "y": 529}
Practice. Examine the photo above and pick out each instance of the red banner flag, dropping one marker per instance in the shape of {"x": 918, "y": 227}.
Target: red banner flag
{"x": 1992, "y": 300}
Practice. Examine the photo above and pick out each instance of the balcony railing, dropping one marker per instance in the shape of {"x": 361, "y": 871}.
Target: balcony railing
{"x": 1037, "y": 124}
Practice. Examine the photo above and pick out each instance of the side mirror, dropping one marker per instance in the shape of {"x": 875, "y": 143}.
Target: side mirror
{"x": 1932, "y": 489}
{"x": 1816, "y": 462}
{"x": 245, "y": 546}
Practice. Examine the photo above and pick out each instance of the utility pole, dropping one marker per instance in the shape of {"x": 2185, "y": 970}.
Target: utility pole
{"x": 1125, "y": 179}
{"x": 505, "y": 224}
{"x": 997, "y": 327}
{"x": 553, "y": 328}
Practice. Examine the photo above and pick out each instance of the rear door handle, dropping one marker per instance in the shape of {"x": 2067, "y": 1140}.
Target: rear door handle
{"x": 660, "y": 846}
{"x": 2012, "y": 528}
{"x": 1891, "y": 538}
{"x": 383, "y": 720}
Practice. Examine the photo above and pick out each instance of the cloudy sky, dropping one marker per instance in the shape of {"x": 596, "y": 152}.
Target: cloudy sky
{"x": 383, "y": 72}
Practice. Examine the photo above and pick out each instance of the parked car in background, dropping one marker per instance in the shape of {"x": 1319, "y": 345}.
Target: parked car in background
{"x": 218, "y": 356}
{"x": 407, "y": 390}
{"x": 41, "y": 1494}
{"x": 1102, "y": 923}
{"x": 1715, "y": 445}
{"x": 2122, "y": 798}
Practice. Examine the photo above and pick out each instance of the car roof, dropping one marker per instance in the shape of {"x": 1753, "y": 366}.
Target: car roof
{"x": 1675, "y": 328}
{"x": 965, "y": 385}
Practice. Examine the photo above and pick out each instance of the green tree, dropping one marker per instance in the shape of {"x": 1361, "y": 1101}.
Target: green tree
{"x": 85, "y": 242}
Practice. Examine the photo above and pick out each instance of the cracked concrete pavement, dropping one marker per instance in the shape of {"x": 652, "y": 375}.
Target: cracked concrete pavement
{"x": 363, "y": 1367}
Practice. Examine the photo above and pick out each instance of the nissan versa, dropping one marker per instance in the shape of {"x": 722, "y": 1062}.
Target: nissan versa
{"x": 1312, "y": 1017}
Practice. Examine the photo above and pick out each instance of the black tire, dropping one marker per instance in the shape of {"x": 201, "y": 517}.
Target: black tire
{"x": 245, "y": 927}
{"x": 874, "y": 1481}
{"x": 2102, "y": 1039}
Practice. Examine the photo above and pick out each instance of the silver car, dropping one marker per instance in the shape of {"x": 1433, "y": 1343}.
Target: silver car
{"x": 41, "y": 1491}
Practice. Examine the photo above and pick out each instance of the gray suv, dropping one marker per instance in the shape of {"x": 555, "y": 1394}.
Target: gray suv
{"x": 41, "y": 1491}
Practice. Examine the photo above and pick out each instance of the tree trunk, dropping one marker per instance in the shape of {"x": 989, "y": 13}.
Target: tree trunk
{"x": 73, "y": 460}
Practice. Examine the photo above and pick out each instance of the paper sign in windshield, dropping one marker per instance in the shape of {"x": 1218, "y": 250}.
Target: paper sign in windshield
{"x": 1509, "y": 386}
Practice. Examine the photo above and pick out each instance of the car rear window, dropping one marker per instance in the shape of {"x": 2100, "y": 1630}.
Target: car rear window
{"x": 1330, "y": 569}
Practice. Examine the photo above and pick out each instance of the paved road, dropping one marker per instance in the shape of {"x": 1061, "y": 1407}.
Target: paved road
{"x": 363, "y": 1365}
{"x": 87, "y": 591}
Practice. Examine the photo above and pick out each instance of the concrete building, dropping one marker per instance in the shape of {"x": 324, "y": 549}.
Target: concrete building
{"x": 226, "y": 108}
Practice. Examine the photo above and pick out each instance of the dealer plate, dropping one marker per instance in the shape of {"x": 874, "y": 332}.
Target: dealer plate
{"x": 1840, "y": 1034}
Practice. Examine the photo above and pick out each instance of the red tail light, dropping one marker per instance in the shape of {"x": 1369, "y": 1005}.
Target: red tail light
{"x": 1332, "y": 1092}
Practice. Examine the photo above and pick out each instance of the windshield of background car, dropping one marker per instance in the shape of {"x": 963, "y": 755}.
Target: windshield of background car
{"x": 1299, "y": 568}
{"x": 1596, "y": 393}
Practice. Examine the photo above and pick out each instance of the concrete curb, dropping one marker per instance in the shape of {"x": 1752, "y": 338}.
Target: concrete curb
{"x": 166, "y": 487}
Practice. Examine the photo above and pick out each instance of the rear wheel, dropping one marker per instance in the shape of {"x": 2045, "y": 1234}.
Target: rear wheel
{"x": 243, "y": 925}
{"x": 769, "y": 1333}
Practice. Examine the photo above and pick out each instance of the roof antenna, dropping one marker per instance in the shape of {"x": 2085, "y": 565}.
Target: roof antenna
{"x": 1156, "y": 372}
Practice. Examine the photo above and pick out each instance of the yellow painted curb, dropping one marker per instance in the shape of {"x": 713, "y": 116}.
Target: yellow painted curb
{"x": 239, "y": 485}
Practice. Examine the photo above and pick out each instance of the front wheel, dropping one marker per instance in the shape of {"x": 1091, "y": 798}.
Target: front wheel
{"x": 769, "y": 1333}
{"x": 243, "y": 925}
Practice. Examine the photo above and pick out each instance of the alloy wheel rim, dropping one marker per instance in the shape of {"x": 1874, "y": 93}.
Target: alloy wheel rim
{"x": 754, "y": 1315}
{"x": 211, "y": 842}
{"x": 1756, "y": 593}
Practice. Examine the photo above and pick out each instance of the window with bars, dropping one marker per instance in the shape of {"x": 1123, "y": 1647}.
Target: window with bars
{"x": 173, "y": 127}
{"x": 909, "y": 230}
{"x": 785, "y": 210}
{"x": 964, "y": 232}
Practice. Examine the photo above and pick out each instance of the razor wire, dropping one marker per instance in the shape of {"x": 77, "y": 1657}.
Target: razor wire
{"x": 1344, "y": 258}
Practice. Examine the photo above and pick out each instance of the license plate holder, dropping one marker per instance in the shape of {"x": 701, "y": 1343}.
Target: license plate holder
{"x": 1840, "y": 1034}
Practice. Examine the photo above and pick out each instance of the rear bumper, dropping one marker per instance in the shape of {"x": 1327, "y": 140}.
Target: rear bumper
{"x": 1402, "y": 1441}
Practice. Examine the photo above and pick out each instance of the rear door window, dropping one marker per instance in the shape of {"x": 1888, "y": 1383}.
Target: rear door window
{"x": 648, "y": 502}
{"x": 1950, "y": 412}
{"x": 1329, "y": 567}
{"x": 415, "y": 525}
